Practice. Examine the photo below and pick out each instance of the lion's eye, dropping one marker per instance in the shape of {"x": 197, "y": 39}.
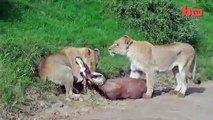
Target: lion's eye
{"x": 116, "y": 45}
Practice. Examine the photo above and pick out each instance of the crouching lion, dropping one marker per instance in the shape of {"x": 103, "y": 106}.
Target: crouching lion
{"x": 62, "y": 69}
{"x": 178, "y": 57}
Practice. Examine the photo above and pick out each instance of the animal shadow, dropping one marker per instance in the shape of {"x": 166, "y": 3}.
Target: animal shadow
{"x": 189, "y": 91}
{"x": 160, "y": 92}
{"x": 193, "y": 90}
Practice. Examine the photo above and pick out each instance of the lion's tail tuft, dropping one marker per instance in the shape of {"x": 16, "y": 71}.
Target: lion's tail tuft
{"x": 194, "y": 71}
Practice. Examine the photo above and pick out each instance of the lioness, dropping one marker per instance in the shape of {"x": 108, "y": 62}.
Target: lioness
{"x": 150, "y": 59}
{"x": 62, "y": 69}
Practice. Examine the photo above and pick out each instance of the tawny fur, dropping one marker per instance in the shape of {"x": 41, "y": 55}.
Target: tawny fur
{"x": 62, "y": 69}
{"x": 157, "y": 58}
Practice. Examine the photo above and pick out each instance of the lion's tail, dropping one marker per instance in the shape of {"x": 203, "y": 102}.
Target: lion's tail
{"x": 39, "y": 70}
{"x": 194, "y": 71}
{"x": 40, "y": 65}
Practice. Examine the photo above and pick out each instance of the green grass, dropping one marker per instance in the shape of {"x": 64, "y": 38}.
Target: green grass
{"x": 33, "y": 29}
{"x": 205, "y": 45}
{"x": 45, "y": 27}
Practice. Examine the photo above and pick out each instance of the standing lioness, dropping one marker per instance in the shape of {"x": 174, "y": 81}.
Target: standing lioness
{"x": 150, "y": 59}
{"x": 61, "y": 68}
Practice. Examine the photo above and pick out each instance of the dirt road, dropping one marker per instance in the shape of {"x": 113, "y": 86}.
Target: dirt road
{"x": 198, "y": 105}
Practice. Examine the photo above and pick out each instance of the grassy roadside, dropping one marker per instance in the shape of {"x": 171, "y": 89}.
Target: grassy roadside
{"x": 44, "y": 27}
{"x": 40, "y": 28}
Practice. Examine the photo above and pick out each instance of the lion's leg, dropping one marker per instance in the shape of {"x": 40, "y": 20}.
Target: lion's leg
{"x": 68, "y": 83}
{"x": 179, "y": 84}
{"x": 183, "y": 84}
{"x": 135, "y": 74}
{"x": 150, "y": 83}
{"x": 178, "y": 79}
{"x": 68, "y": 87}
{"x": 184, "y": 77}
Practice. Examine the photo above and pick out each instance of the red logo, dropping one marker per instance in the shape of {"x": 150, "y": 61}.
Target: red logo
{"x": 194, "y": 12}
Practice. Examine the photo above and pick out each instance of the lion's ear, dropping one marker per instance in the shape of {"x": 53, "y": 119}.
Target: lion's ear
{"x": 88, "y": 52}
{"x": 126, "y": 36}
{"x": 97, "y": 52}
{"x": 128, "y": 41}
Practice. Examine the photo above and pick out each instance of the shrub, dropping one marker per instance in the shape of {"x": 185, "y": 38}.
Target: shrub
{"x": 9, "y": 10}
{"x": 160, "y": 20}
{"x": 18, "y": 67}
{"x": 207, "y": 5}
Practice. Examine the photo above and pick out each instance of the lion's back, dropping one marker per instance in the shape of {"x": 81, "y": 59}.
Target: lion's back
{"x": 50, "y": 65}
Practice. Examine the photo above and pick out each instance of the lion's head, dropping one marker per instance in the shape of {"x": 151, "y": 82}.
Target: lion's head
{"x": 120, "y": 46}
{"x": 91, "y": 58}
{"x": 94, "y": 77}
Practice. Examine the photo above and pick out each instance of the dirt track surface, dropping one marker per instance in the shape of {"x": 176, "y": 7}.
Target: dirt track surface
{"x": 198, "y": 105}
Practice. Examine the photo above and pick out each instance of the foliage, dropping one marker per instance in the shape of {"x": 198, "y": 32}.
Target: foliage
{"x": 33, "y": 29}
{"x": 21, "y": 72}
{"x": 207, "y": 5}
{"x": 160, "y": 20}
{"x": 9, "y": 10}
{"x": 43, "y": 28}
{"x": 205, "y": 67}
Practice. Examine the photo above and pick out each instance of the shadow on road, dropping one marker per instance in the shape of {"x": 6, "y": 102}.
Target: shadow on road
{"x": 193, "y": 90}
{"x": 190, "y": 90}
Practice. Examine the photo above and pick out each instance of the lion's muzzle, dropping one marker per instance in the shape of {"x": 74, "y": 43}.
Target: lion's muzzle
{"x": 112, "y": 53}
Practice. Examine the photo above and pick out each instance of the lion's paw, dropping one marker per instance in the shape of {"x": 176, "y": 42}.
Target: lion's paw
{"x": 147, "y": 96}
{"x": 68, "y": 99}
{"x": 80, "y": 99}
{"x": 75, "y": 96}
{"x": 173, "y": 92}
{"x": 181, "y": 95}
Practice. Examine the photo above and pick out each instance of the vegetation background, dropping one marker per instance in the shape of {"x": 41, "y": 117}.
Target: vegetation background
{"x": 33, "y": 29}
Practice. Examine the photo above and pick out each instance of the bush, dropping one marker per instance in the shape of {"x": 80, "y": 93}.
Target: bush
{"x": 207, "y": 5}
{"x": 160, "y": 20}
{"x": 9, "y": 10}
{"x": 21, "y": 72}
